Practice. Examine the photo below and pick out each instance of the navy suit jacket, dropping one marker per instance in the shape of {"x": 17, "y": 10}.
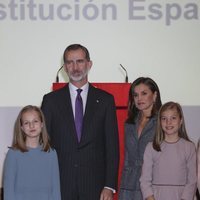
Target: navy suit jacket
{"x": 92, "y": 163}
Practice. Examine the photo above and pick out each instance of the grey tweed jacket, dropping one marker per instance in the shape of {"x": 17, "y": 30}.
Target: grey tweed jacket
{"x": 134, "y": 151}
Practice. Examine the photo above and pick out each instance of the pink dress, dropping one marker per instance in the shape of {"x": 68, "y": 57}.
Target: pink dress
{"x": 198, "y": 159}
{"x": 171, "y": 173}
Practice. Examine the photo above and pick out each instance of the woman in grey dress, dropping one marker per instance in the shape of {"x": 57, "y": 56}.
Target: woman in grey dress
{"x": 143, "y": 106}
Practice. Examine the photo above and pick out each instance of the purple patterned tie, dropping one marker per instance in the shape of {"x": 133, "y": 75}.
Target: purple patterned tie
{"x": 78, "y": 113}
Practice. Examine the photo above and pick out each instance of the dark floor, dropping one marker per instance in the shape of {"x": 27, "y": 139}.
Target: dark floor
{"x": 1, "y": 194}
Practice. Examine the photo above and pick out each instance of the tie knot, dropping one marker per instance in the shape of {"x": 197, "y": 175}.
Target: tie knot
{"x": 79, "y": 91}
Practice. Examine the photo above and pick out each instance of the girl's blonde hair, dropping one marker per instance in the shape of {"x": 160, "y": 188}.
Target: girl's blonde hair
{"x": 19, "y": 138}
{"x": 160, "y": 136}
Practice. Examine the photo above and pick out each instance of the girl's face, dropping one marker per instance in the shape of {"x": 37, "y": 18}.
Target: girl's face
{"x": 144, "y": 97}
{"x": 170, "y": 122}
{"x": 31, "y": 125}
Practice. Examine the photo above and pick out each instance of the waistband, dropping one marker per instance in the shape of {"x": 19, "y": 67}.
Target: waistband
{"x": 168, "y": 185}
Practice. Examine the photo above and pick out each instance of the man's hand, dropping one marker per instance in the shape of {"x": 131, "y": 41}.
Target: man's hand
{"x": 150, "y": 198}
{"x": 106, "y": 194}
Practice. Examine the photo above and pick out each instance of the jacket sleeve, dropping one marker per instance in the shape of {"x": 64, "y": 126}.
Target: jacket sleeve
{"x": 147, "y": 172}
{"x": 56, "y": 177}
{"x": 9, "y": 175}
{"x": 198, "y": 159}
{"x": 190, "y": 187}
{"x": 111, "y": 145}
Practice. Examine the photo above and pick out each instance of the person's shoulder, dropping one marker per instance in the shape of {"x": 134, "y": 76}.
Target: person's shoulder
{"x": 11, "y": 153}
{"x": 52, "y": 151}
{"x": 57, "y": 92}
{"x": 189, "y": 145}
{"x": 13, "y": 150}
{"x": 187, "y": 142}
{"x": 149, "y": 150}
{"x": 150, "y": 145}
{"x": 100, "y": 91}
{"x": 52, "y": 154}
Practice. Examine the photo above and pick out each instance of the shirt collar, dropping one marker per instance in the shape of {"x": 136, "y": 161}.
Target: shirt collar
{"x": 73, "y": 88}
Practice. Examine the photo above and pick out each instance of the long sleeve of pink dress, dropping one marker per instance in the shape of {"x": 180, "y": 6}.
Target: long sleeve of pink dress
{"x": 198, "y": 159}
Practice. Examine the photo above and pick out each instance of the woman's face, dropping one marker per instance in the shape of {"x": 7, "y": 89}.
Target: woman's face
{"x": 144, "y": 98}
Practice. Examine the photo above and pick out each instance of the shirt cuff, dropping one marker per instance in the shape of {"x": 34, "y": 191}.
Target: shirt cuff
{"x": 114, "y": 191}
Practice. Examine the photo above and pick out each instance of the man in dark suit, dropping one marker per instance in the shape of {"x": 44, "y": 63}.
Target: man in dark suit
{"x": 89, "y": 164}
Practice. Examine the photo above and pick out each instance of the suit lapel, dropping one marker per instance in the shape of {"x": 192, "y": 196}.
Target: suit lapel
{"x": 91, "y": 107}
{"x": 68, "y": 113}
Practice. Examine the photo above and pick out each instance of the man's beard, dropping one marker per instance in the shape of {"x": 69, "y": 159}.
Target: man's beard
{"x": 77, "y": 76}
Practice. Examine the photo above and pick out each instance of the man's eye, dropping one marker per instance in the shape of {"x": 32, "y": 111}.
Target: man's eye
{"x": 80, "y": 61}
{"x": 68, "y": 62}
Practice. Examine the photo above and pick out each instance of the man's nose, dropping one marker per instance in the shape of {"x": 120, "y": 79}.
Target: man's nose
{"x": 75, "y": 64}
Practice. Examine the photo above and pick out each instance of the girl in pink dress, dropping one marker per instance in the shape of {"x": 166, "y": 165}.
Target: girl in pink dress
{"x": 169, "y": 169}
